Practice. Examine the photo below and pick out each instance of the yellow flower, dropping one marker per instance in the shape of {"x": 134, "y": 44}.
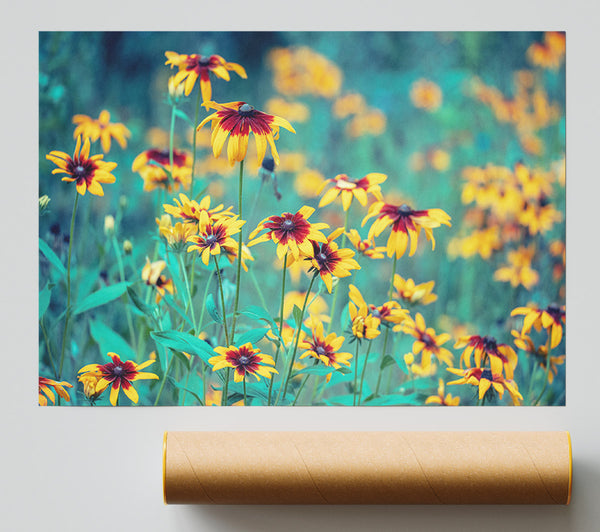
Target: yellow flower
{"x": 151, "y": 165}
{"x": 406, "y": 224}
{"x": 484, "y": 379}
{"x": 295, "y": 111}
{"x": 426, "y": 94}
{"x": 102, "y": 129}
{"x": 175, "y": 235}
{"x": 151, "y": 275}
{"x": 487, "y": 349}
{"x": 407, "y": 290}
{"x": 190, "y": 211}
{"x": 519, "y": 270}
{"x": 371, "y": 122}
{"x": 388, "y": 313}
{"x": 308, "y": 183}
{"x": 325, "y": 348}
{"x": 365, "y": 247}
{"x": 215, "y": 236}
{"x": 427, "y": 342}
{"x": 87, "y": 172}
{"x": 118, "y": 374}
{"x": 291, "y": 232}
{"x": 349, "y": 188}
{"x": 317, "y": 308}
{"x": 246, "y": 360}
{"x": 440, "y": 399}
{"x": 46, "y": 393}
{"x": 194, "y": 66}
{"x": 89, "y": 382}
{"x": 349, "y": 104}
{"x": 237, "y": 120}
{"x": 364, "y": 324}
{"x": 551, "y": 318}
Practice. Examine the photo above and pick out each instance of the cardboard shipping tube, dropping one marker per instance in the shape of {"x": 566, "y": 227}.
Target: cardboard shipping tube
{"x": 367, "y": 467}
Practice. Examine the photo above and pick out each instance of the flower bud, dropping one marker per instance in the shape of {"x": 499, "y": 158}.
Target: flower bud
{"x": 127, "y": 247}
{"x": 109, "y": 225}
{"x": 44, "y": 201}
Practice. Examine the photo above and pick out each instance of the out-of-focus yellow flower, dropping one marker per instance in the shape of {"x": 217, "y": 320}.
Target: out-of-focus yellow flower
{"x": 426, "y": 94}
{"x": 294, "y": 111}
{"x": 301, "y": 70}
{"x": 151, "y": 165}
{"x": 317, "y": 308}
{"x": 308, "y": 183}
{"x": 518, "y": 271}
{"x": 539, "y": 217}
{"x": 551, "y": 53}
{"x": 349, "y": 104}
{"x": 292, "y": 162}
{"x": 439, "y": 159}
{"x": 481, "y": 242}
{"x": 417, "y": 161}
{"x": 370, "y": 122}
{"x": 501, "y": 357}
{"x": 551, "y": 318}
{"x": 348, "y": 188}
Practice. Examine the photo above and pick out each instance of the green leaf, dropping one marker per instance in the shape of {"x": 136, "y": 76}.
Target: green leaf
{"x": 180, "y": 341}
{"x": 297, "y": 313}
{"x": 175, "y": 272}
{"x": 168, "y": 298}
{"x": 177, "y": 385}
{"x": 182, "y": 358}
{"x": 394, "y": 399}
{"x": 140, "y": 305}
{"x": 110, "y": 341}
{"x": 340, "y": 400}
{"x": 258, "y": 313}
{"x": 424, "y": 383}
{"x": 321, "y": 369}
{"x": 252, "y": 336}
{"x": 44, "y": 300}
{"x": 101, "y": 297}
{"x": 386, "y": 361}
{"x": 260, "y": 390}
{"x": 212, "y": 309}
{"x": 52, "y": 257}
{"x": 399, "y": 359}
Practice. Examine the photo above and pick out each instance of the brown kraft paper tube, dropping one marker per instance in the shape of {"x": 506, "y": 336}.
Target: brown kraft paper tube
{"x": 367, "y": 467}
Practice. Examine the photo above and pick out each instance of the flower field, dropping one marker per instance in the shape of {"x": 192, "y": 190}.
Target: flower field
{"x": 327, "y": 218}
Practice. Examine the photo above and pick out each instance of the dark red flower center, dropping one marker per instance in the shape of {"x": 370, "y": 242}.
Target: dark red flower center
{"x": 487, "y": 374}
{"x": 556, "y": 312}
{"x": 118, "y": 371}
{"x": 490, "y": 344}
{"x": 325, "y": 257}
{"x": 320, "y": 350}
{"x": 289, "y": 227}
{"x": 81, "y": 169}
{"x": 428, "y": 340}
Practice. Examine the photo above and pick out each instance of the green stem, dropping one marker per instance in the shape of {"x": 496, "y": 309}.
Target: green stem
{"x": 239, "y": 261}
{"x": 258, "y": 290}
{"x": 194, "y": 145}
{"x": 548, "y": 365}
{"x": 387, "y": 329}
{"x": 189, "y": 293}
{"x": 293, "y": 358}
{"x": 300, "y": 390}
{"x": 362, "y": 376}
{"x": 355, "y": 388}
{"x": 171, "y": 135}
{"x": 225, "y": 387}
{"x": 122, "y": 276}
{"x": 280, "y": 323}
{"x": 223, "y": 309}
{"x": 68, "y": 311}
{"x": 337, "y": 286}
{"x": 245, "y": 399}
{"x": 162, "y": 384}
{"x": 200, "y": 323}
{"x": 47, "y": 341}
{"x": 192, "y": 275}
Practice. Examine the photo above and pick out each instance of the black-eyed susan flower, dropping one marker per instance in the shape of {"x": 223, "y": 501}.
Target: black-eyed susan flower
{"x": 175, "y": 235}
{"x": 525, "y": 343}
{"x": 363, "y": 323}
{"x": 389, "y": 313}
{"x": 190, "y": 211}
{"x": 325, "y": 348}
{"x": 484, "y": 379}
{"x": 119, "y": 375}
{"x": 330, "y": 261}
{"x": 551, "y": 318}
{"x": 46, "y": 393}
{"x": 89, "y": 381}
{"x": 349, "y": 188}
{"x": 153, "y": 165}
{"x": 440, "y": 398}
{"x": 151, "y": 275}
{"x": 487, "y": 349}
{"x": 365, "y": 247}
{"x": 194, "y": 66}
{"x": 427, "y": 342}
{"x": 215, "y": 236}
{"x": 412, "y": 293}
{"x": 406, "y": 224}
{"x": 518, "y": 271}
{"x": 291, "y": 232}
{"x": 237, "y": 120}
{"x": 426, "y": 94}
{"x": 245, "y": 360}
{"x": 101, "y": 128}
{"x": 87, "y": 172}
{"x": 539, "y": 216}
